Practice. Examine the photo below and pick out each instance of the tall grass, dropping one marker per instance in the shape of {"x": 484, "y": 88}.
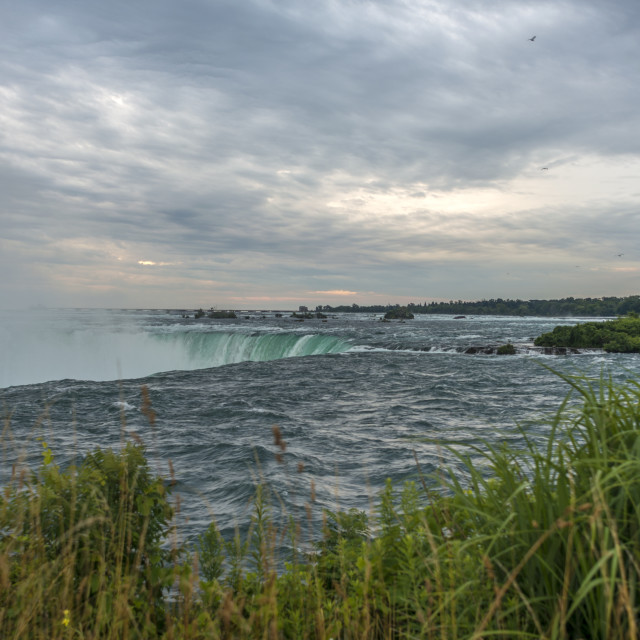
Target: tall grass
{"x": 542, "y": 542}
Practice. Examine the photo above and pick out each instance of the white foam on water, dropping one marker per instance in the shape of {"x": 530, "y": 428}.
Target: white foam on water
{"x": 123, "y": 405}
{"x": 34, "y": 350}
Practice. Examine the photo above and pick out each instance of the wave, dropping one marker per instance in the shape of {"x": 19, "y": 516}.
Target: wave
{"x": 99, "y": 355}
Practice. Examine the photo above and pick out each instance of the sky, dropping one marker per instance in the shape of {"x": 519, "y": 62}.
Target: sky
{"x": 256, "y": 154}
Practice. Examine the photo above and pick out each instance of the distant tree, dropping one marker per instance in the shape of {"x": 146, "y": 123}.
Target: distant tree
{"x": 576, "y": 307}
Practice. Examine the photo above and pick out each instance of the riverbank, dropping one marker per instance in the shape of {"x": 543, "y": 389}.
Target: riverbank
{"x": 539, "y": 542}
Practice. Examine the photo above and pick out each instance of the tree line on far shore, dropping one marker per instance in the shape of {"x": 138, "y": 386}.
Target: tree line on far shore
{"x": 564, "y": 307}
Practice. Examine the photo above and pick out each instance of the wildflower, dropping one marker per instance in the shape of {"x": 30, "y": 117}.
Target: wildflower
{"x": 66, "y": 618}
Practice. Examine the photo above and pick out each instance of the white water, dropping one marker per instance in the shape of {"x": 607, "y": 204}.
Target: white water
{"x": 100, "y": 345}
{"x": 39, "y": 351}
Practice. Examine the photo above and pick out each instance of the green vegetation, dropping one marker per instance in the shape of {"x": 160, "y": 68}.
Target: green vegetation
{"x": 576, "y": 307}
{"x": 399, "y": 313}
{"x": 538, "y": 543}
{"x": 212, "y": 313}
{"x": 506, "y": 350}
{"x": 620, "y": 336}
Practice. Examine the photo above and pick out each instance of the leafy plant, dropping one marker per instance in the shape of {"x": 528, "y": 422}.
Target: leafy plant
{"x": 88, "y": 540}
{"x": 506, "y": 350}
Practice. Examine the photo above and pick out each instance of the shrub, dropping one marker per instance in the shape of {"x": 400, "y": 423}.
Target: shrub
{"x": 621, "y": 335}
{"x": 399, "y": 313}
{"x": 89, "y": 541}
{"x": 506, "y": 350}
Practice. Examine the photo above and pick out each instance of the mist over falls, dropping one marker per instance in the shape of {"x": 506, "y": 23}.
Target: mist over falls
{"x": 90, "y": 354}
{"x": 101, "y": 345}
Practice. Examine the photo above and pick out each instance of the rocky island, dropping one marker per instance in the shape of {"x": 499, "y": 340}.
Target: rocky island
{"x": 615, "y": 336}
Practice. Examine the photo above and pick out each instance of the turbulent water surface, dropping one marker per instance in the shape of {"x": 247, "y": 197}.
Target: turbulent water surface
{"x": 354, "y": 397}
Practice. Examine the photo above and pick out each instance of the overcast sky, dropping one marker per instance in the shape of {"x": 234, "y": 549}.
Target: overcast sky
{"x": 271, "y": 153}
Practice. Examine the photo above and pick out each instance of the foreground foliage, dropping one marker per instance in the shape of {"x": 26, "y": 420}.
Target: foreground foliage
{"x": 621, "y": 335}
{"x": 545, "y": 545}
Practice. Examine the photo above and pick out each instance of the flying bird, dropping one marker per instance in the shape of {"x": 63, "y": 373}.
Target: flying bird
{"x": 544, "y": 169}
{"x": 532, "y": 39}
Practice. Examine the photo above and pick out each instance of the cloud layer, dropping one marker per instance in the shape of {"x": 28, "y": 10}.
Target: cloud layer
{"x": 165, "y": 154}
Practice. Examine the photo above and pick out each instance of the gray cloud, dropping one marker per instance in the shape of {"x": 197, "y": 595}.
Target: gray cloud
{"x": 276, "y": 146}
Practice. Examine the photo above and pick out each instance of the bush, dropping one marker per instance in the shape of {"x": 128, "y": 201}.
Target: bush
{"x": 621, "y": 335}
{"x": 399, "y": 313}
{"x": 506, "y": 350}
{"x": 88, "y": 540}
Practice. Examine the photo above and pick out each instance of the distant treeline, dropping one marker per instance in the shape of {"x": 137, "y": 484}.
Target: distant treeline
{"x": 589, "y": 307}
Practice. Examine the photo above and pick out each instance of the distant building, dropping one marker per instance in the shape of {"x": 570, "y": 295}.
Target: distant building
{"x": 303, "y": 308}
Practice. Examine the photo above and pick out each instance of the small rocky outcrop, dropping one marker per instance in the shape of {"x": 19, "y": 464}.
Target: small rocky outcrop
{"x": 399, "y": 313}
{"x": 506, "y": 350}
{"x": 509, "y": 349}
{"x": 476, "y": 350}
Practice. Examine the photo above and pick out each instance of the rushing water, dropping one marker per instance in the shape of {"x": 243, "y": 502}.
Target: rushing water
{"x": 354, "y": 397}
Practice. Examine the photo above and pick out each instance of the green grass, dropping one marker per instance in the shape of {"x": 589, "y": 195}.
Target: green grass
{"x": 544, "y": 545}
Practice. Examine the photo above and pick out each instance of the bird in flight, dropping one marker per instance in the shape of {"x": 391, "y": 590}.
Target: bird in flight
{"x": 532, "y": 39}
{"x": 620, "y": 255}
{"x": 544, "y": 169}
